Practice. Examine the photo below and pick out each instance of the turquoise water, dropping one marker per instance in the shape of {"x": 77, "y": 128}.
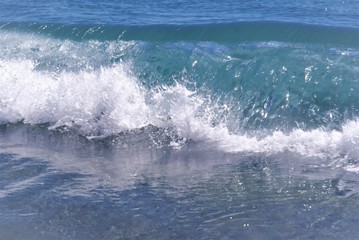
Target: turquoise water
{"x": 179, "y": 119}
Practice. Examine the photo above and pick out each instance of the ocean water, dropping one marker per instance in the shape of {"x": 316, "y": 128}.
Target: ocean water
{"x": 179, "y": 119}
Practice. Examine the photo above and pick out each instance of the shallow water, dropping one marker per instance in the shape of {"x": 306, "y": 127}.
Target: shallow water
{"x": 73, "y": 188}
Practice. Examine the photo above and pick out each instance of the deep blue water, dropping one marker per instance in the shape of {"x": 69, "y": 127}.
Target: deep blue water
{"x": 179, "y": 119}
{"x": 330, "y": 13}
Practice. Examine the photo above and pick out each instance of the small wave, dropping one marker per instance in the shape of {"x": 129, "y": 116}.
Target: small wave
{"x": 235, "y": 32}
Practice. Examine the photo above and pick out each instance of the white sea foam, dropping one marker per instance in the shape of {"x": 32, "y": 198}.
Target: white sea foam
{"x": 110, "y": 100}
{"x": 107, "y": 99}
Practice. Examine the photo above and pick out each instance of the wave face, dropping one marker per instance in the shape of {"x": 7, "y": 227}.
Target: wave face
{"x": 243, "y": 95}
